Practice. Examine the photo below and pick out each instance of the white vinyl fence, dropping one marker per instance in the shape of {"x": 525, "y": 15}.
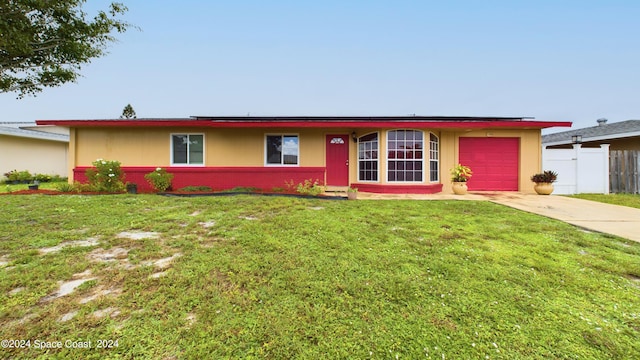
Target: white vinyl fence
{"x": 580, "y": 170}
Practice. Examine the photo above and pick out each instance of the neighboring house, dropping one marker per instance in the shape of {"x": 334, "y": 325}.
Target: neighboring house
{"x": 599, "y": 159}
{"x": 624, "y": 135}
{"x": 25, "y": 146}
{"x": 384, "y": 154}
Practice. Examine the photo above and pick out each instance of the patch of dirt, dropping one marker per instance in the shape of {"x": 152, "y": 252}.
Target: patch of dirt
{"x": 67, "y": 287}
{"x": 68, "y": 316}
{"x": 17, "y": 290}
{"x": 100, "y": 292}
{"x": 113, "y": 254}
{"x": 80, "y": 243}
{"x": 166, "y": 262}
{"x": 207, "y": 224}
{"x": 191, "y": 319}
{"x": 158, "y": 275}
{"x": 110, "y": 311}
{"x": 138, "y": 235}
{"x": 4, "y": 260}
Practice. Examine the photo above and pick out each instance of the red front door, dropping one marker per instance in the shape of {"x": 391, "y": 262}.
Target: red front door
{"x": 337, "y": 160}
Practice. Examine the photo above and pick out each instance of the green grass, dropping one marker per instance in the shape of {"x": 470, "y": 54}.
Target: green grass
{"x": 7, "y": 188}
{"x": 280, "y": 278}
{"x": 630, "y": 200}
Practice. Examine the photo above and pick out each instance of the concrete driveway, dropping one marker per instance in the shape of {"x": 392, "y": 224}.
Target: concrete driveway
{"x": 617, "y": 220}
{"x": 605, "y": 218}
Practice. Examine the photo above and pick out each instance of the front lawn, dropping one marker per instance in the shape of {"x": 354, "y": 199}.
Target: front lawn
{"x": 266, "y": 277}
{"x": 631, "y": 200}
{"x": 9, "y": 188}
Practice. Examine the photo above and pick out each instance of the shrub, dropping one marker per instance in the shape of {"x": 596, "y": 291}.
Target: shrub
{"x": 310, "y": 187}
{"x": 244, "y": 189}
{"x": 159, "y": 179}
{"x": 80, "y": 187}
{"x": 65, "y": 187}
{"x": 106, "y": 176}
{"x": 11, "y": 175}
{"x": 42, "y": 177}
{"x": 25, "y": 176}
{"x": 195, "y": 189}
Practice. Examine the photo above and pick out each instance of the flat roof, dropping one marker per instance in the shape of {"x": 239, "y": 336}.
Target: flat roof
{"x": 317, "y": 122}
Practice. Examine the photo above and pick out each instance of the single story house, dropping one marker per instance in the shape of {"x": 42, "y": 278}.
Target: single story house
{"x": 382, "y": 154}
{"x": 624, "y": 135}
{"x": 25, "y": 146}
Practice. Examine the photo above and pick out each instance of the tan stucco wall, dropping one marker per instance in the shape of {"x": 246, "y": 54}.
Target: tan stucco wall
{"x": 35, "y": 155}
{"x": 224, "y": 147}
{"x": 245, "y": 147}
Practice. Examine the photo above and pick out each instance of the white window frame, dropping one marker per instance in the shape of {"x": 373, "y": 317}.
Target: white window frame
{"x": 282, "y": 135}
{"x": 377, "y": 159}
{"x": 437, "y": 158}
{"x": 188, "y": 160}
{"x": 386, "y": 155}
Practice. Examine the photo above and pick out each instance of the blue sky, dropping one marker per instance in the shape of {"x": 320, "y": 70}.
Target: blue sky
{"x": 552, "y": 60}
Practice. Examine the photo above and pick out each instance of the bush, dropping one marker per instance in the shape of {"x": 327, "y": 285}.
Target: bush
{"x": 196, "y": 189}
{"x": 310, "y": 187}
{"x": 65, "y": 187}
{"x": 25, "y": 176}
{"x": 159, "y": 179}
{"x": 11, "y": 175}
{"x": 42, "y": 177}
{"x": 105, "y": 176}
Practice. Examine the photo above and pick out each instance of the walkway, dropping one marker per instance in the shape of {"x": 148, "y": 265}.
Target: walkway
{"x": 617, "y": 220}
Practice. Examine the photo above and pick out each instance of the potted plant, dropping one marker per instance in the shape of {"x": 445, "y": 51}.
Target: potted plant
{"x": 132, "y": 188}
{"x": 460, "y": 174}
{"x": 35, "y": 185}
{"x": 352, "y": 193}
{"x": 12, "y": 177}
{"x": 544, "y": 182}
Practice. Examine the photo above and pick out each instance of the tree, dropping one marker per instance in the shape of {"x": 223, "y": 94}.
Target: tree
{"x": 44, "y": 43}
{"x": 128, "y": 112}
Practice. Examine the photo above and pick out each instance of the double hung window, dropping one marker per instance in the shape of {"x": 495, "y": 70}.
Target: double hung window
{"x": 187, "y": 149}
{"x": 282, "y": 150}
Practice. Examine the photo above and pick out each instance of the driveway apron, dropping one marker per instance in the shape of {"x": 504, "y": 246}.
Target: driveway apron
{"x": 617, "y": 220}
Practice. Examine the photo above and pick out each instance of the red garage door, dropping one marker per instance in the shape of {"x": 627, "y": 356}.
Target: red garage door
{"x": 494, "y": 162}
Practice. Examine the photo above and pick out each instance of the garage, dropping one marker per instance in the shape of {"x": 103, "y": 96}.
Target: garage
{"x": 494, "y": 162}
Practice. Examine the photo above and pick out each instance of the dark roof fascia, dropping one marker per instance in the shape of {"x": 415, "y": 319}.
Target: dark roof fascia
{"x": 410, "y": 118}
{"x": 380, "y": 123}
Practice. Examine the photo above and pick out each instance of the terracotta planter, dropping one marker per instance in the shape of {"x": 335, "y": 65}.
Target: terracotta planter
{"x": 352, "y": 195}
{"x": 543, "y": 188}
{"x": 459, "y": 188}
